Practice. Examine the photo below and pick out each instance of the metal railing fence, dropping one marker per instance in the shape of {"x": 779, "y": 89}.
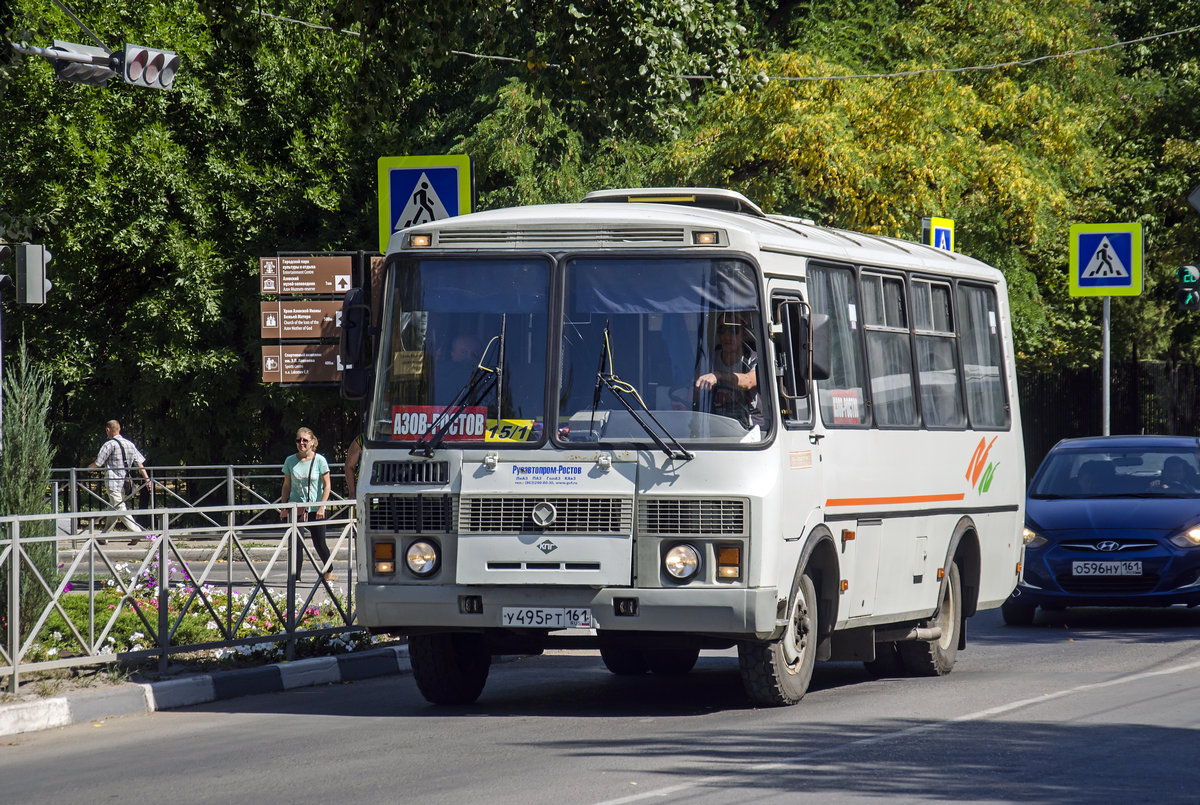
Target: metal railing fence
{"x": 80, "y": 489}
{"x": 237, "y": 568}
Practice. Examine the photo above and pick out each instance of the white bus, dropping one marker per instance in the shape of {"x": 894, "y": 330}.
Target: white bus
{"x": 661, "y": 421}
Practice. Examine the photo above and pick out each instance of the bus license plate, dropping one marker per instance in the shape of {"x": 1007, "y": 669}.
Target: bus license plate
{"x": 546, "y": 617}
{"x": 1126, "y": 568}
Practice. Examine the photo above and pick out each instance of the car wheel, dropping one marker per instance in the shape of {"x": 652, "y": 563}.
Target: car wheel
{"x": 1017, "y": 612}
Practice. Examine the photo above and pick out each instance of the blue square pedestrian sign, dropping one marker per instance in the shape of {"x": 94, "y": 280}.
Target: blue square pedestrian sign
{"x": 417, "y": 190}
{"x": 1106, "y": 260}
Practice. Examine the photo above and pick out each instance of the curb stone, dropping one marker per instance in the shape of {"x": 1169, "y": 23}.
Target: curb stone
{"x": 138, "y": 698}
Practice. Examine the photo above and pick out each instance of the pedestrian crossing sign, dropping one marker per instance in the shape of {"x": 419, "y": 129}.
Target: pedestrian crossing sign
{"x": 1106, "y": 260}
{"x": 417, "y": 190}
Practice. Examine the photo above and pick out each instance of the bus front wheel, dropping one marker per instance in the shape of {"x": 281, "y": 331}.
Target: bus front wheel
{"x": 778, "y": 673}
{"x": 449, "y": 668}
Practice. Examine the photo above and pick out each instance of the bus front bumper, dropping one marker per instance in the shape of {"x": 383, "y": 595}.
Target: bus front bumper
{"x": 734, "y": 611}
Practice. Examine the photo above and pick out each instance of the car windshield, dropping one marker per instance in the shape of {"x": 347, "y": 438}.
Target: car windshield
{"x": 1118, "y": 472}
{"x": 661, "y": 349}
{"x": 470, "y": 333}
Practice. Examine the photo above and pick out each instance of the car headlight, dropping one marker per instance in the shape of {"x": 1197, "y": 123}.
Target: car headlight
{"x": 1032, "y": 538}
{"x": 421, "y": 557}
{"x": 682, "y": 561}
{"x": 1188, "y": 538}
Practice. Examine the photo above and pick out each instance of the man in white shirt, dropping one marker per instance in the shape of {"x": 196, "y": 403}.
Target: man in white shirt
{"x": 116, "y": 456}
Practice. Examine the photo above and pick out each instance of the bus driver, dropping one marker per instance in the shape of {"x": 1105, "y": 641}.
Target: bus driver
{"x": 733, "y": 378}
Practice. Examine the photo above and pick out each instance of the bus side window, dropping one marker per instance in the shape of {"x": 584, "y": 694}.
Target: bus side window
{"x": 791, "y": 355}
{"x": 889, "y": 356}
{"x": 983, "y": 364}
{"x": 842, "y": 398}
{"x": 937, "y": 359}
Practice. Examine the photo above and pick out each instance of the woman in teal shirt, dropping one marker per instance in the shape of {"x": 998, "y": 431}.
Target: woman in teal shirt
{"x": 306, "y": 480}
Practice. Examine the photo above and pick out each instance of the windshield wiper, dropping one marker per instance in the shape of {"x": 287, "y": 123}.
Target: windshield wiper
{"x": 620, "y": 388}
{"x": 481, "y": 381}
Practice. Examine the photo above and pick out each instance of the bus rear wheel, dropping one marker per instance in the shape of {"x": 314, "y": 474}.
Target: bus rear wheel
{"x": 936, "y": 657}
{"x": 778, "y": 673}
{"x": 449, "y": 668}
{"x": 672, "y": 661}
{"x": 622, "y": 657}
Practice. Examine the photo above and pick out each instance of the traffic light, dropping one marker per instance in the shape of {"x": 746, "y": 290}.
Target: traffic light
{"x": 32, "y": 284}
{"x": 147, "y": 67}
{"x": 5, "y": 251}
{"x": 1188, "y": 295}
{"x": 81, "y": 64}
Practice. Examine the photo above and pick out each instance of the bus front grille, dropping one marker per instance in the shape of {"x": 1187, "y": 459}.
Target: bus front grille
{"x": 677, "y": 517}
{"x": 394, "y": 473}
{"x": 410, "y": 514}
{"x": 571, "y": 515}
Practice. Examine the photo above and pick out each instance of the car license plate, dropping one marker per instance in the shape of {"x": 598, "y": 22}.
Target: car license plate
{"x": 1126, "y": 568}
{"x": 546, "y": 617}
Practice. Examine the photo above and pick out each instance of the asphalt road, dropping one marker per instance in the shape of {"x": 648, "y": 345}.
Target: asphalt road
{"x": 1090, "y": 706}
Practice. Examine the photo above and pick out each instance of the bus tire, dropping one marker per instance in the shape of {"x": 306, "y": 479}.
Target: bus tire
{"x": 622, "y": 657}
{"x": 451, "y": 667}
{"x": 1018, "y": 613}
{"x": 777, "y": 673}
{"x": 936, "y": 657}
{"x": 672, "y": 661}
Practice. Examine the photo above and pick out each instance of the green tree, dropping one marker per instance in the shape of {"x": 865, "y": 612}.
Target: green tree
{"x": 1013, "y": 154}
{"x": 25, "y": 455}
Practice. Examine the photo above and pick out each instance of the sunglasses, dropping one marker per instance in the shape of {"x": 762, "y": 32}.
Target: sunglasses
{"x": 302, "y": 441}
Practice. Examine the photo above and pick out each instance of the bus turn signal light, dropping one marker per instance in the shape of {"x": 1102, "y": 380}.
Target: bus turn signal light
{"x": 729, "y": 561}
{"x": 384, "y": 555}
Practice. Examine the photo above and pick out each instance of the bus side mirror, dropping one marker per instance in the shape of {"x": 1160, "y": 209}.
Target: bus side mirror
{"x": 354, "y": 346}
{"x": 821, "y": 347}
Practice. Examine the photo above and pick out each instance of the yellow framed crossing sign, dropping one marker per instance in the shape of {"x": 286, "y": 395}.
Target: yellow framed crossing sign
{"x": 1106, "y": 260}
{"x": 417, "y": 190}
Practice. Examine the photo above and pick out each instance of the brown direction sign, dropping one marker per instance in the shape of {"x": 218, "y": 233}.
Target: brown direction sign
{"x": 300, "y": 363}
{"x": 305, "y": 274}
{"x": 293, "y": 319}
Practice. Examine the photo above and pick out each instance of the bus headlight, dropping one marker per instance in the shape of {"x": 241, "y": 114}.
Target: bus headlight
{"x": 422, "y": 557}
{"x": 682, "y": 561}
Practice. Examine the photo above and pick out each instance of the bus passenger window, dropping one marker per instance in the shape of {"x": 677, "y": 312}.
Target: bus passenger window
{"x": 842, "y": 397}
{"x": 889, "y": 356}
{"x": 983, "y": 363}
{"x": 937, "y": 360}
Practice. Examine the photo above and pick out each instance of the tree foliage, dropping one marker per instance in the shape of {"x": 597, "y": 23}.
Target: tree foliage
{"x": 157, "y": 205}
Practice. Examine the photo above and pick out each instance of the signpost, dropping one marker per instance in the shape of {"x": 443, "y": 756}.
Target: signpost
{"x": 417, "y": 190}
{"x": 306, "y": 274}
{"x": 1106, "y": 260}
{"x": 302, "y": 313}
{"x": 300, "y": 363}
{"x": 938, "y": 232}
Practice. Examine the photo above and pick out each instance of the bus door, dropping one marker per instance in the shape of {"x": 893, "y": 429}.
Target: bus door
{"x": 801, "y": 436}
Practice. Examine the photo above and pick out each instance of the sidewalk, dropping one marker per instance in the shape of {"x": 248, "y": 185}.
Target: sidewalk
{"x": 138, "y": 698}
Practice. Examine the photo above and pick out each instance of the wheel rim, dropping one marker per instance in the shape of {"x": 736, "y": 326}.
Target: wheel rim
{"x": 796, "y": 641}
{"x": 947, "y": 616}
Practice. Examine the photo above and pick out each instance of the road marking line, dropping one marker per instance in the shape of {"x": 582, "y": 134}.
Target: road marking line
{"x": 904, "y": 733}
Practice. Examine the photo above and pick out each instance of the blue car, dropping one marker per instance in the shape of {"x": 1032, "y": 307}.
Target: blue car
{"x": 1111, "y": 521}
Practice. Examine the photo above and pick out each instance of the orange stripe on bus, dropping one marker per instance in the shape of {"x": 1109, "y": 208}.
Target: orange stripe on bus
{"x": 894, "y": 500}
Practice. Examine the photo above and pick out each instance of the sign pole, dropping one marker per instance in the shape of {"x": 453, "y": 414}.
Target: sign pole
{"x": 1106, "y": 404}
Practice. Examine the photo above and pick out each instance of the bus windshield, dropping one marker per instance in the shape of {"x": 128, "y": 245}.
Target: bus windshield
{"x": 678, "y": 340}
{"x": 471, "y": 332}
